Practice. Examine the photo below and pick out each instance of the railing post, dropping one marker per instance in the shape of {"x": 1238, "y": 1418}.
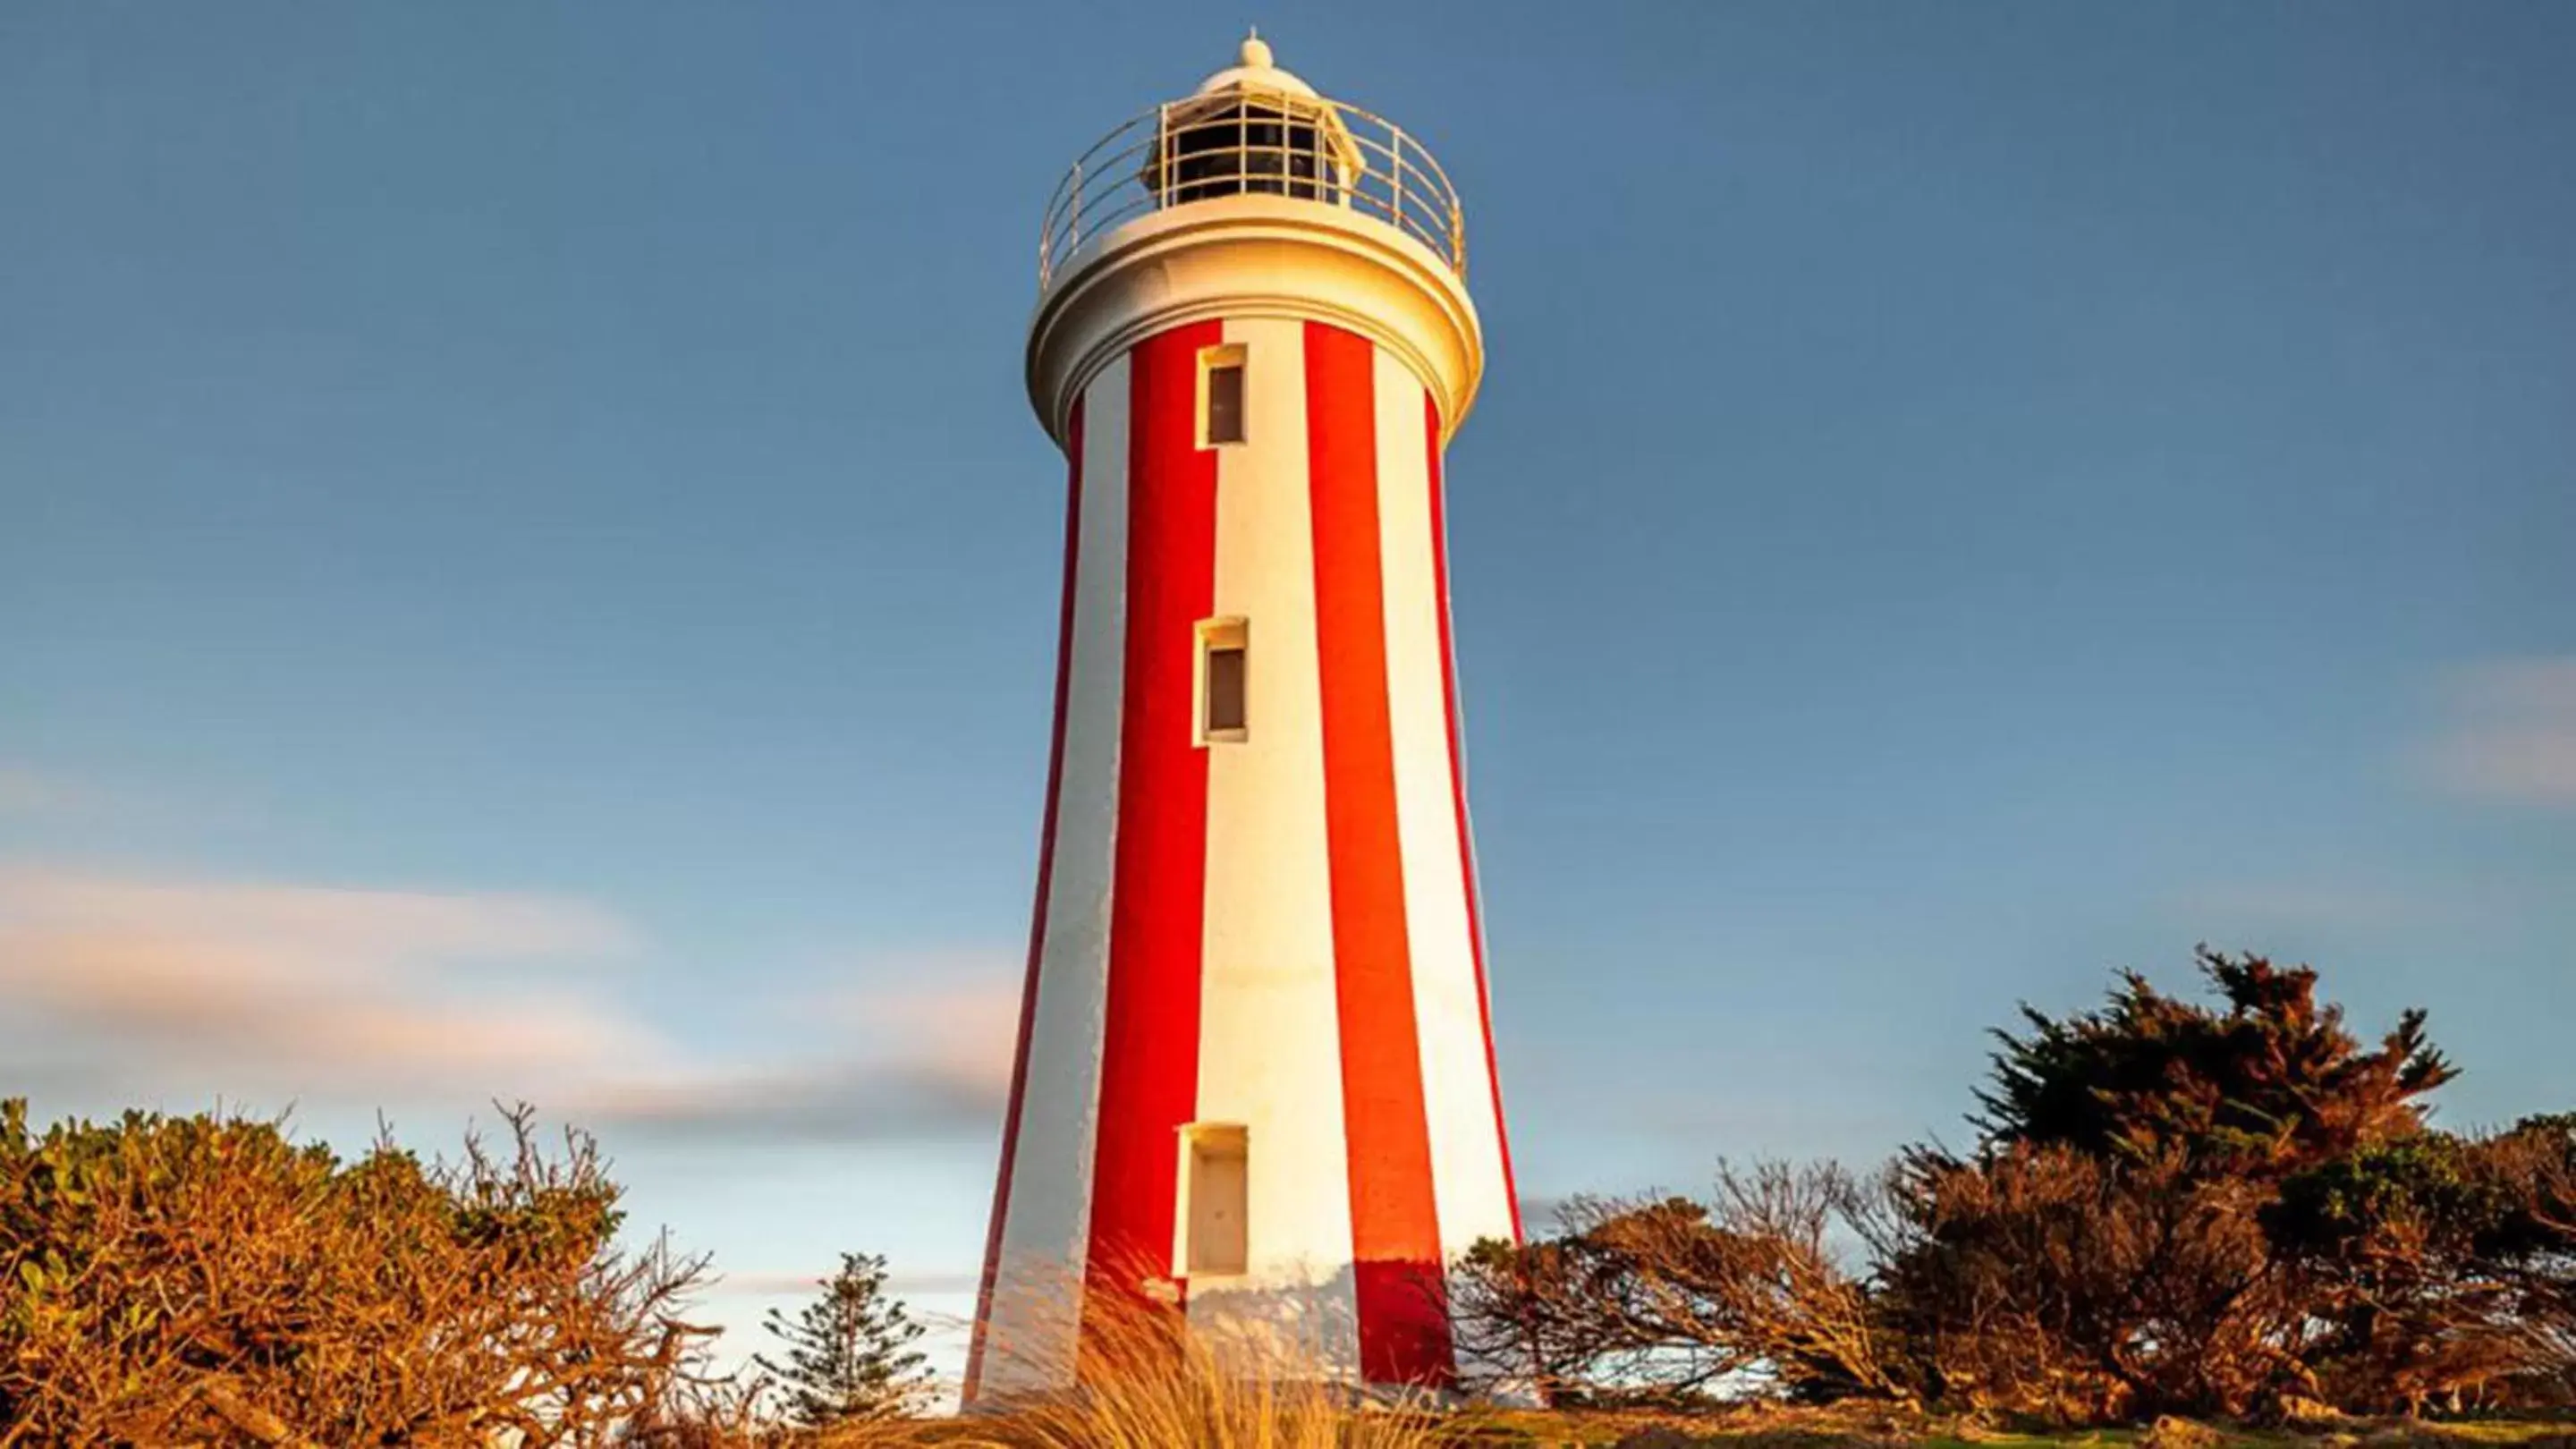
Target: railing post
{"x": 1073, "y": 212}
{"x": 1163, "y": 155}
{"x": 1395, "y": 153}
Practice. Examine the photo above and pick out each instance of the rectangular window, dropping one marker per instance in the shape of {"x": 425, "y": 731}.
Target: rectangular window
{"x": 1225, "y": 681}
{"x": 1225, "y": 690}
{"x": 1217, "y": 1189}
{"x": 1220, "y": 396}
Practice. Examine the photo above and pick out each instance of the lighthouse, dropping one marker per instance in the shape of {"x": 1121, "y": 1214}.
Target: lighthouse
{"x": 1255, "y": 1079}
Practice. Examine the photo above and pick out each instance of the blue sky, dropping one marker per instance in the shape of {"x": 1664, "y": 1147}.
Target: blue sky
{"x": 525, "y": 568}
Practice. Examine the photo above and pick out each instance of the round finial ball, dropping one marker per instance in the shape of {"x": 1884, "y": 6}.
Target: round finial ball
{"x": 1255, "y": 53}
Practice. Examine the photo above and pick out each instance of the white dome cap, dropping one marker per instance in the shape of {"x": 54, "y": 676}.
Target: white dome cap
{"x": 1253, "y": 70}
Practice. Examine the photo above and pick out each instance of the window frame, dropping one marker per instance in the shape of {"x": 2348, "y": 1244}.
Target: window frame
{"x": 1193, "y": 1254}
{"x": 1214, "y": 636}
{"x": 1212, "y": 360}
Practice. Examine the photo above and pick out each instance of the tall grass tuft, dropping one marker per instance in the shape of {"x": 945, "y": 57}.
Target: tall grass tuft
{"x": 1150, "y": 1382}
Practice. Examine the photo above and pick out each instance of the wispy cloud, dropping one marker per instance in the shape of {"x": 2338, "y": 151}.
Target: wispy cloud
{"x": 804, "y": 1104}
{"x": 192, "y": 989}
{"x": 2510, "y": 733}
{"x": 25, "y": 791}
{"x": 253, "y": 987}
{"x": 919, "y": 1062}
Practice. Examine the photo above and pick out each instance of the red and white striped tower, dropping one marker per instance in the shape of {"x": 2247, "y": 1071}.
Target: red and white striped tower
{"x": 1255, "y": 1071}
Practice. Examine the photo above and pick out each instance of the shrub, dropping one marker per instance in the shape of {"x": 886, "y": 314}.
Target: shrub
{"x": 206, "y": 1279}
{"x": 1674, "y": 1298}
{"x": 2172, "y": 1208}
{"x": 2042, "y": 1280}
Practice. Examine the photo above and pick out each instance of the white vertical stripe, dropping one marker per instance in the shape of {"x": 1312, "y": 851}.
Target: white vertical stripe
{"x": 1457, "y": 1090}
{"x": 1031, "y": 1332}
{"x": 1269, "y": 1024}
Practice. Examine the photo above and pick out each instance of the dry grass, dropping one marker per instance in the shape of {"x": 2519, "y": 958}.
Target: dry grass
{"x": 1175, "y": 1413}
{"x": 1193, "y": 1402}
{"x": 1767, "y": 1426}
{"x": 1151, "y": 1383}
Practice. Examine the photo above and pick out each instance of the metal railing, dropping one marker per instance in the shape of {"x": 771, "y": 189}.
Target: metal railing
{"x": 1239, "y": 142}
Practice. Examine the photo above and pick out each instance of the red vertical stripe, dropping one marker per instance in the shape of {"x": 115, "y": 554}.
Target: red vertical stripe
{"x": 1395, "y": 1221}
{"x": 1150, "y": 1047}
{"x": 1458, "y": 791}
{"x": 1037, "y": 926}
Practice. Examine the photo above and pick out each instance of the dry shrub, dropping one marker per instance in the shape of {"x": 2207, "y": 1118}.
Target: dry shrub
{"x": 1670, "y": 1298}
{"x": 2538, "y": 1239}
{"x": 2172, "y": 1208}
{"x": 730, "y": 1413}
{"x": 206, "y": 1280}
{"x": 2533, "y": 1248}
{"x": 2046, "y": 1281}
{"x": 2441, "y": 1267}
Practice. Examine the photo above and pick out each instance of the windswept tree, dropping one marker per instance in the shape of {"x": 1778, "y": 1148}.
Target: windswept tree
{"x": 1666, "y": 1297}
{"x": 849, "y": 1353}
{"x": 2443, "y": 1265}
{"x": 2105, "y": 1251}
{"x": 2045, "y": 1280}
{"x": 2172, "y": 1206}
{"x": 2266, "y": 1084}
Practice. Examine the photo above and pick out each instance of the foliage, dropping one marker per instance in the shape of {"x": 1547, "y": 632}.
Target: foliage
{"x": 2443, "y": 1263}
{"x": 1677, "y": 1298}
{"x": 207, "y": 1280}
{"x": 2171, "y": 1208}
{"x": 2044, "y": 1280}
{"x": 2269, "y": 1085}
{"x": 849, "y": 1352}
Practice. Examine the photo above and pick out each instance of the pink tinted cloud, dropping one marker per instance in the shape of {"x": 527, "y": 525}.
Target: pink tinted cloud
{"x": 964, "y": 1024}
{"x": 926, "y": 1056}
{"x": 24, "y": 791}
{"x": 2511, "y": 733}
{"x": 197, "y": 989}
{"x": 296, "y": 987}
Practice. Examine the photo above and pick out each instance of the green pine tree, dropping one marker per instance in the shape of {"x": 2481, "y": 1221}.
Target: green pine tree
{"x": 849, "y": 1352}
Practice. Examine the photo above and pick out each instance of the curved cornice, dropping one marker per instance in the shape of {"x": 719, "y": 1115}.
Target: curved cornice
{"x": 1254, "y": 256}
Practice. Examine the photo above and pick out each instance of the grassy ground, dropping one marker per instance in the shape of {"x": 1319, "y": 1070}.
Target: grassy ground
{"x": 1771, "y": 1428}
{"x": 1153, "y": 1385}
{"x": 1759, "y": 1428}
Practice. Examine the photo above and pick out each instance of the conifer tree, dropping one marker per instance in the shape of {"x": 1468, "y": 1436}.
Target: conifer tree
{"x": 849, "y": 1353}
{"x": 2272, "y": 1084}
